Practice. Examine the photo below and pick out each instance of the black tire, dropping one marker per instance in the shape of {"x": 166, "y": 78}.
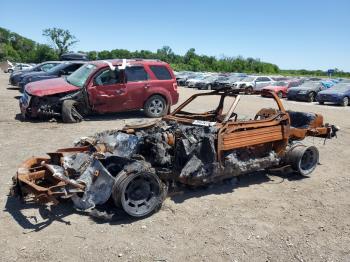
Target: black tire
{"x": 321, "y": 102}
{"x": 280, "y": 94}
{"x": 304, "y": 159}
{"x": 70, "y": 113}
{"x": 311, "y": 97}
{"x": 139, "y": 194}
{"x": 10, "y": 71}
{"x": 249, "y": 90}
{"x": 345, "y": 101}
{"x": 156, "y": 106}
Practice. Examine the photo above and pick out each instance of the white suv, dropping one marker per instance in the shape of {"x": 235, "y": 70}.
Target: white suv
{"x": 253, "y": 83}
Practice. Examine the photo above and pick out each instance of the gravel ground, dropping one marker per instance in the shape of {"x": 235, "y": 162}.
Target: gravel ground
{"x": 263, "y": 218}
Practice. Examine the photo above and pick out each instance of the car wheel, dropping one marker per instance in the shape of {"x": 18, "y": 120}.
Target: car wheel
{"x": 209, "y": 87}
{"x": 321, "y": 102}
{"x": 311, "y": 97}
{"x": 249, "y": 90}
{"x": 70, "y": 113}
{"x": 155, "y": 106}
{"x": 10, "y": 71}
{"x": 345, "y": 101}
{"x": 139, "y": 194}
{"x": 280, "y": 94}
{"x": 304, "y": 159}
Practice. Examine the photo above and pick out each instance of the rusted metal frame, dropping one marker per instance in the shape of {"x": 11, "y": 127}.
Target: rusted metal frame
{"x": 252, "y": 137}
{"x": 73, "y": 149}
{"x": 189, "y": 100}
{"x": 232, "y": 108}
{"x": 229, "y": 127}
{"x": 234, "y": 126}
{"x": 301, "y": 133}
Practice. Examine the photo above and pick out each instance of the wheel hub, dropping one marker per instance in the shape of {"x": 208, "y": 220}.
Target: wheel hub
{"x": 156, "y": 106}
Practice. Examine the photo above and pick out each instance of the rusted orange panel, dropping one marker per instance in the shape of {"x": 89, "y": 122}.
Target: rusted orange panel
{"x": 251, "y": 137}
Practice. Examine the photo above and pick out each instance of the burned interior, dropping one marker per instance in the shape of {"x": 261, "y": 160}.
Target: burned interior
{"x": 135, "y": 166}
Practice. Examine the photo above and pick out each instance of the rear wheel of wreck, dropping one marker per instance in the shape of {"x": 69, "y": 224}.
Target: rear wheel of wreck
{"x": 155, "y": 106}
{"x": 304, "y": 159}
{"x": 70, "y": 112}
{"x": 139, "y": 194}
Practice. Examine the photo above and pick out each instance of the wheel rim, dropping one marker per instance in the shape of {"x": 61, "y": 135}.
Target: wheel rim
{"x": 141, "y": 195}
{"x": 311, "y": 97}
{"x": 345, "y": 101}
{"x": 75, "y": 114}
{"x": 156, "y": 106}
{"x": 309, "y": 160}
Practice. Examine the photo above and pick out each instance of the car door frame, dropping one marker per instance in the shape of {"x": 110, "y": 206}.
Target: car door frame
{"x": 137, "y": 90}
{"x": 107, "y": 98}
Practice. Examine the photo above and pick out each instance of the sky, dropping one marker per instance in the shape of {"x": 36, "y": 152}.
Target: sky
{"x": 293, "y": 34}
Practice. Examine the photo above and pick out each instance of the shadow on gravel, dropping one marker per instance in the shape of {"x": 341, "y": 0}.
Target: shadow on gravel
{"x": 105, "y": 117}
{"x": 16, "y": 209}
{"x": 12, "y": 88}
{"x": 108, "y": 213}
{"x": 228, "y": 186}
{"x": 116, "y": 116}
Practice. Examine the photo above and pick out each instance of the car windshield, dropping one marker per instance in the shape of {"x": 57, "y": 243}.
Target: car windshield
{"x": 198, "y": 77}
{"x": 341, "y": 87}
{"x": 248, "y": 79}
{"x": 79, "y": 77}
{"x": 223, "y": 78}
{"x": 57, "y": 68}
{"x": 279, "y": 83}
{"x": 209, "y": 78}
{"x": 310, "y": 84}
{"x": 235, "y": 78}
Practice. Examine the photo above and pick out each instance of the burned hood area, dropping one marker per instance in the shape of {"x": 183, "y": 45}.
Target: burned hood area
{"x": 136, "y": 166}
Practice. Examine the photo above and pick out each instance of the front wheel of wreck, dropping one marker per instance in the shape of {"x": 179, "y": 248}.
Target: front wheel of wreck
{"x": 139, "y": 194}
{"x": 70, "y": 112}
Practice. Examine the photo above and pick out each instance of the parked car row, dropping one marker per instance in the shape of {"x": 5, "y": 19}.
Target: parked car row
{"x": 17, "y": 67}
{"x": 301, "y": 89}
{"x": 71, "y": 90}
{"x": 333, "y": 91}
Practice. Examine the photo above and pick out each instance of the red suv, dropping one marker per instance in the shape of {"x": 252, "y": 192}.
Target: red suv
{"x": 103, "y": 87}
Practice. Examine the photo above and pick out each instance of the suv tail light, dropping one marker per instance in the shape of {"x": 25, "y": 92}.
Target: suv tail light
{"x": 175, "y": 86}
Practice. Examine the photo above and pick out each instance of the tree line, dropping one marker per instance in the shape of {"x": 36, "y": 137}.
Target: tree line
{"x": 14, "y": 47}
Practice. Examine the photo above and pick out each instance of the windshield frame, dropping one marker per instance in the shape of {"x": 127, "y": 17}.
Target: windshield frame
{"x": 73, "y": 78}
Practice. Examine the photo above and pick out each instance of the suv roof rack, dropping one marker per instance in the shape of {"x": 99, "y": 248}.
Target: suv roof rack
{"x": 143, "y": 59}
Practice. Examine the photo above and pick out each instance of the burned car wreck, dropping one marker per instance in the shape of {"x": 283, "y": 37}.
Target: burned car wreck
{"x": 135, "y": 166}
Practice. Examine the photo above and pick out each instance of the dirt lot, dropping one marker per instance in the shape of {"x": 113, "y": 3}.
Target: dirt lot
{"x": 263, "y": 218}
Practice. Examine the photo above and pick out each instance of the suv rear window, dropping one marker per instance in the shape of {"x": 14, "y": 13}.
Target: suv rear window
{"x": 136, "y": 73}
{"x": 161, "y": 72}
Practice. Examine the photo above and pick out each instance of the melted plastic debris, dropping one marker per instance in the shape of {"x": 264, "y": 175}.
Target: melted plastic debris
{"x": 77, "y": 162}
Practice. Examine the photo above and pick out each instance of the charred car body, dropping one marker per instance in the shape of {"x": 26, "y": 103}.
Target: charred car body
{"x": 135, "y": 166}
{"x": 103, "y": 87}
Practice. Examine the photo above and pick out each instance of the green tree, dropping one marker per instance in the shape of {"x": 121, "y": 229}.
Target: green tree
{"x": 61, "y": 39}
